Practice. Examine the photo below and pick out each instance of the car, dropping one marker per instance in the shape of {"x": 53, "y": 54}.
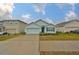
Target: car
{"x": 3, "y": 33}
{"x": 75, "y": 31}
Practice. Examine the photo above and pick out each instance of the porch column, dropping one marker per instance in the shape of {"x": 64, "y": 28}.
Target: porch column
{"x": 45, "y": 30}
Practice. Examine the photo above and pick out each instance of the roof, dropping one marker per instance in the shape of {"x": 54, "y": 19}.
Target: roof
{"x": 43, "y": 21}
{"x": 1, "y": 21}
{"x": 63, "y": 23}
{"x": 15, "y": 20}
{"x": 32, "y": 23}
{"x": 51, "y": 24}
{"x": 38, "y": 21}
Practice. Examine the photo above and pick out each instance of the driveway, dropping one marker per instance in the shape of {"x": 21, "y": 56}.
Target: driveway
{"x": 21, "y": 45}
{"x": 59, "y": 45}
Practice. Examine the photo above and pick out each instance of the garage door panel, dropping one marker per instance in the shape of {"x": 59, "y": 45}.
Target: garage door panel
{"x": 12, "y": 31}
{"x": 33, "y": 31}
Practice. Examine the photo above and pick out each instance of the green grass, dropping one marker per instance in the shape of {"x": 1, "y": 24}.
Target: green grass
{"x": 60, "y": 36}
{"x": 6, "y": 37}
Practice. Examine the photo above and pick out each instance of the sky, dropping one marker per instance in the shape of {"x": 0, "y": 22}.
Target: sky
{"x": 29, "y": 12}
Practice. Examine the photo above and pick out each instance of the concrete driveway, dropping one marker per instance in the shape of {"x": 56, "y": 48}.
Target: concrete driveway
{"x": 59, "y": 45}
{"x": 21, "y": 45}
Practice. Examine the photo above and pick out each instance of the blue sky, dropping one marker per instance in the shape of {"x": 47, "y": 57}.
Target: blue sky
{"x": 51, "y": 11}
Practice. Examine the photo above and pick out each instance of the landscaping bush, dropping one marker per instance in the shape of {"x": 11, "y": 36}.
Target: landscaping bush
{"x": 22, "y": 33}
{"x": 77, "y": 32}
{"x": 6, "y": 37}
{"x": 48, "y": 33}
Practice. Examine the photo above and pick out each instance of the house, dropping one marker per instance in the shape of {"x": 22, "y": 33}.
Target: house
{"x": 12, "y": 26}
{"x": 68, "y": 26}
{"x": 1, "y": 26}
{"x": 40, "y": 26}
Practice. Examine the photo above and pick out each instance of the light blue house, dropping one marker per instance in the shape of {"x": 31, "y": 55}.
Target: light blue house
{"x": 40, "y": 26}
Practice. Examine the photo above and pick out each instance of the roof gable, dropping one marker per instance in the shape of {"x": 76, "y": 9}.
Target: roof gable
{"x": 64, "y": 23}
{"x": 32, "y": 25}
{"x": 42, "y": 23}
{"x": 15, "y": 20}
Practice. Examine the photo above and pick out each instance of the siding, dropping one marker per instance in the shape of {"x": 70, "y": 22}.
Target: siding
{"x": 14, "y": 26}
{"x": 69, "y": 26}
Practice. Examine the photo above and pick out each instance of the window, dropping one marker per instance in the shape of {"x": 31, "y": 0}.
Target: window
{"x": 0, "y": 29}
{"x": 13, "y": 22}
{"x": 50, "y": 29}
{"x": 43, "y": 28}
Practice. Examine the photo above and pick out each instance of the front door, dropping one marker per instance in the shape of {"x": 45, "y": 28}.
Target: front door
{"x": 42, "y": 29}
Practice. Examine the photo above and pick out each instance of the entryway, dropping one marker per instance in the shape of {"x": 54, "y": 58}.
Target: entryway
{"x": 43, "y": 29}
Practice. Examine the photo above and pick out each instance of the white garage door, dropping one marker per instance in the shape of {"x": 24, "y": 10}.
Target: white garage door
{"x": 32, "y": 30}
{"x": 11, "y": 31}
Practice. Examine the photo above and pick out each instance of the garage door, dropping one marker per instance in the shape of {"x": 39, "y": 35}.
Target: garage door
{"x": 12, "y": 31}
{"x": 32, "y": 30}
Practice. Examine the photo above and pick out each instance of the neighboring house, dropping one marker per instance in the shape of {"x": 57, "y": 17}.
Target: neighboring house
{"x": 40, "y": 26}
{"x": 2, "y": 29}
{"x": 12, "y": 26}
{"x": 68, "y": 26}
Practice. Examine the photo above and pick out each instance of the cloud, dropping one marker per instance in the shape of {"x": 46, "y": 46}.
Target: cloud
{"x": 72, "y": 6}
{"x": 70, "y": 15}
{"x": 48, "y": 20}
{"x": 6, "y": 10}
{"x": 62, "y": 5}
{"x": 39, "y": 7}
{"x": 27, "y": 18}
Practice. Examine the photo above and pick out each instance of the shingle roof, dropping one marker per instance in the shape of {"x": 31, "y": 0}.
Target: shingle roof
{"x": 43, "y": 21}
{"x": 15, "y": 20}
{"x": 63, "y": 23}
{"x": 38, "y": 21}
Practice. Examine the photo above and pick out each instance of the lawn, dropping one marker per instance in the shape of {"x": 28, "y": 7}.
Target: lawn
{"x": 5, "y": 37}
{"x": 61, "y": 36}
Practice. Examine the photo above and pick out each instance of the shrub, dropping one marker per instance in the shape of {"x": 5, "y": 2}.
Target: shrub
{"x": 22, "y": 33}
{"x": 77, "y": 32}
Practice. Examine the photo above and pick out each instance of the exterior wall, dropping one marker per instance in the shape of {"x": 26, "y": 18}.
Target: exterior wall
{"x": 41, "y": 23}
{"x": 33, "y": 29}
{"x": 11, "y": 26}
{"x": 36, "y": 27}
{"x": 1, "y": 26}
{"x": 60, "y": 29}
{"x": 1, "y": 29}
{"x": 71, "y": 26}
{"x": 22, "y": 27}
{"x": 1, "y": 23}
{"x": 70, "y": 29}
{"x": 50, "y": 26}
{"x": 14, "y": 26}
